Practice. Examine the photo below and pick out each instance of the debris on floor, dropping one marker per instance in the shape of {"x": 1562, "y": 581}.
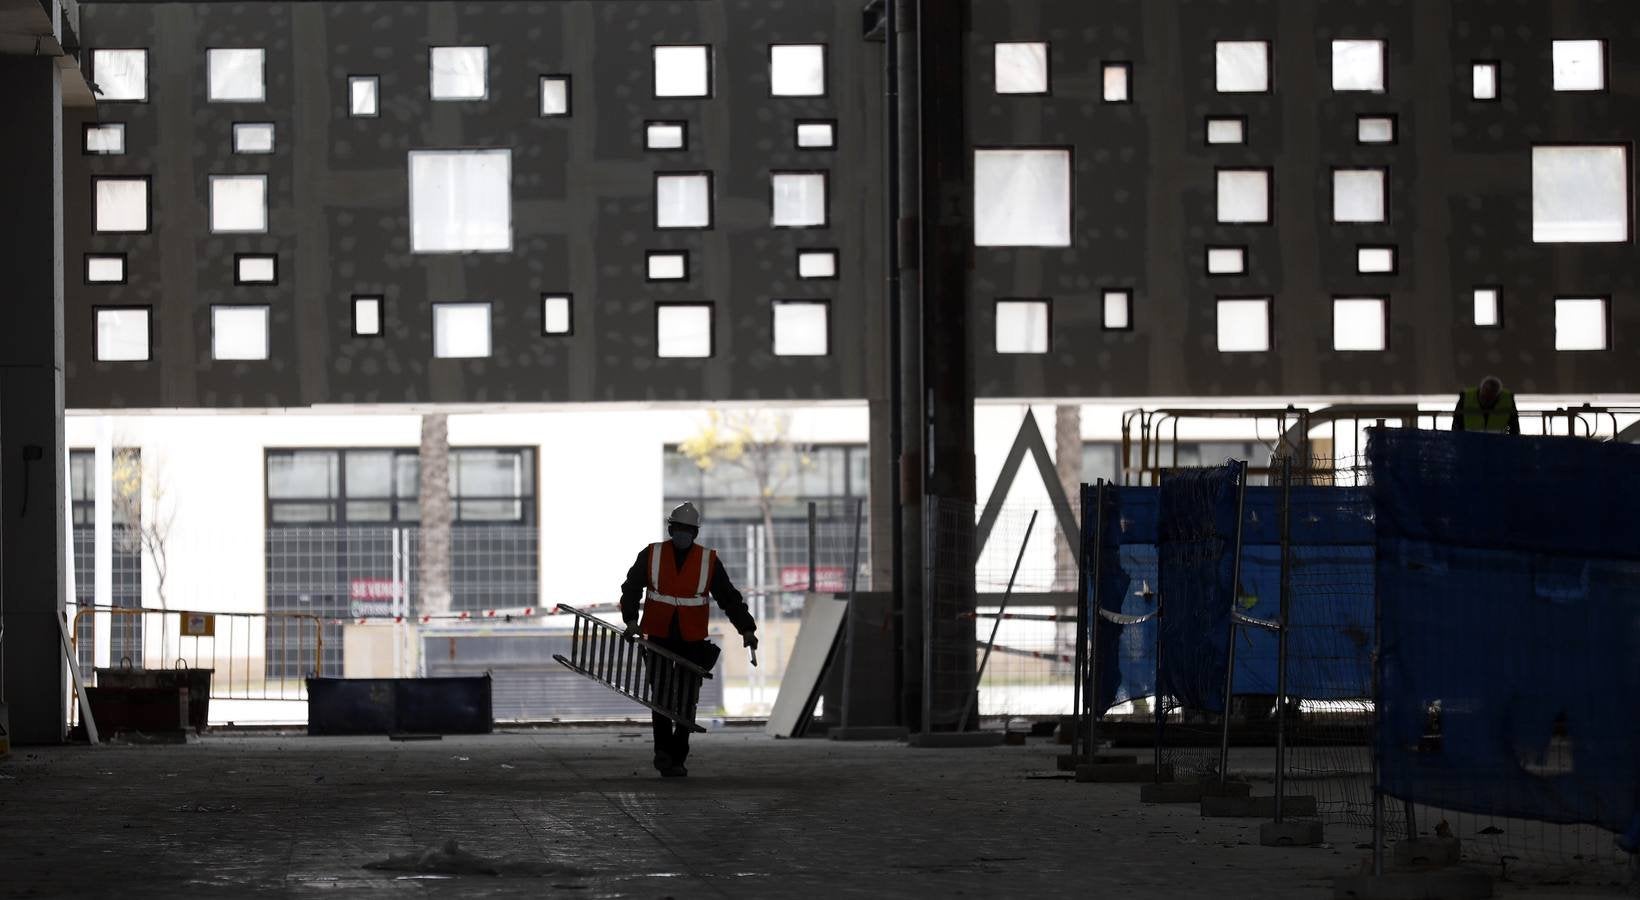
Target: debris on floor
{"x": 449, "y": 859}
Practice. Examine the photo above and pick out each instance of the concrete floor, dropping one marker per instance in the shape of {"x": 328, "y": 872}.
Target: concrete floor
{"x": 231, "y": 815}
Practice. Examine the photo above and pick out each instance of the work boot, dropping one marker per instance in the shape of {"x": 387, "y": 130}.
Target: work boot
{"x": 663, "y": 762}
{"x": 674, "y": 772}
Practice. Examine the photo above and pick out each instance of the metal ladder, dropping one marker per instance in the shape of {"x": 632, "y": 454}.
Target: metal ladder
{"x": 640, "y": 671}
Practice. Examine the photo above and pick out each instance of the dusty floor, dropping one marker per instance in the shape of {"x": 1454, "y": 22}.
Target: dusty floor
{"x": 231, "y": 815}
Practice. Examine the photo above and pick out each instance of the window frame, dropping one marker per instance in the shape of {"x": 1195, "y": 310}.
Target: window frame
{"x": 239, "y": 257}
{"x": 1394, "y": 261}
{"x": 1383, "y": 66}
{"x": 1629, "y": 184}
{"x": 1605, "y": 299}
{"x": 489, "y": 336}
{"x": 774, "y": 306}
{"x": 1269, "y": 68}
{"x": 825, "y": 209}
{"x": 1047, "y": 304}
{"x": 96, "y": 331}
{"x": 1207, "y": 129}
{"x": 1497, "y": 80}
{"x": 1497, "y": 301}
{"x": 649, "y": 261}
{"x": 1070, "y": 195}
{"x": 85, "y": 138}
{"x": 233, "y": 139}
{"x": 1269, "y": 220}
{"x": 797, "y": 144}
{"x": 210, "y": 202}
{"x": 264, "y": 79}
{"x": 1047, "y": 71}
{"x": 711, "y": 329}
{"x": 381, "y": 316}
{"x": 1207, "y": 257}
{"x": 1394, "y": 120}
{"x": 711, "y": 199}
{"x": 569, "y": 305}
{"x": 147, "y": 71}
{"x": 836, "y": 264}
{"x": 148, "y": 203}
{"x": 541, "y": 95}
{"x": 1269, "y": 301}
{"x": 1387, "y": 184}
{"x": 1384, "y": 306}
{"x": 1605, "y": 71}
{"x": 711, "y": 73}
{"x": 85, "y": 268}
{"x": 435, "y": 98}
{"x": 681, "y": 124}
{"x": 267, "y": 332}
{"x": 528, "y": 499}
{"x": 1104, "y": 319}
{"x": 410, "y": 196}
{"x": 377, "y": 80}
{"x": 825, "y": 70}
{"x": 1126, "y": 65}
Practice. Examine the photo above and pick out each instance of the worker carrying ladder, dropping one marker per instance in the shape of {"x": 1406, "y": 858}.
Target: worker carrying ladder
{"x": 638, "y": 670}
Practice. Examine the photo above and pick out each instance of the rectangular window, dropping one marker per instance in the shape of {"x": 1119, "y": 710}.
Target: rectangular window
{"x": 122, "y": 204}
{"x": 799, "y": 199}
{"x": 816, "y": 135}
{"x": 1021, "y": 68}
{"x": 683, "y": 71}
{"x": 816, "y": 264}
{"x": 461, "y": 330}
{"x": 1244, "y": 196}
{"x": 668, "y": 265}
{"x": 797, "y": 70}
{"x": 1118, "y": 310}
{"x": 239, "y": 332}
{"x": 1483, "y": 81}
{"x": 460, "y": 201}
{"x": 1226, "y": 130}
{"x": 683, "y": 200}
{"x": 253, "y": 137}
{"x": 1580, "y": 195}
{"x": 103, "y": 139}
{"x": 1375, "y": 130}
{"x": 1244, "y": 325}
{"x": 255, "y": 268}
{"x": 1226, "y": 260}
{"x": 1359, "y": 196}
{"x": 367, "y": 317}
{"x": 239, "y": 203}
{"x": 666, "y": 136}
{"x": 460, "y": 73}
{"x": 1022, "y": 326}
{"x": 555, "y": 95}
{"x": 557, "y": 315}
{"x": 1358, "y": 66}
{"x": 235, "y": 76}
{"x": 1580, "y": 65}
{"x": 1375, "y": 260}
{"x": 1359, "y": 324}
{"x": 1488, "y": 305}
{"x": 1581, "y": 324}
{"x": 120, "y": 75}
{"x": 1022, "y": 198}
{"x": 801, "y": 328}
{"x": 1242, "y": 67}
{"x": 683, "y": 330}
{"x": 1118, "y": 82}
{"x": 364, "y": 96}
{"x": 122, "y": 334}
{"x": 105, "y": 268}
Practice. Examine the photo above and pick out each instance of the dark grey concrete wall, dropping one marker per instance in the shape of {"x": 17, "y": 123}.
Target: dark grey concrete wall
{"x": 581, "y": 190}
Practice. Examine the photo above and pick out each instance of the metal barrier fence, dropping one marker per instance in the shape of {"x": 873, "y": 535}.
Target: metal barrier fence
{"x": 243, "y": 650}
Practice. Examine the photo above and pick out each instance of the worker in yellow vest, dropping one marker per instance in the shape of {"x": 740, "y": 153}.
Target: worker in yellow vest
{"x": 1487, "y": 408}
{"x": 674, "y": 578}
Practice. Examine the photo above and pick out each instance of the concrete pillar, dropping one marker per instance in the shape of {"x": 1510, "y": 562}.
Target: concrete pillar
{"x": 32, "y": 493}
{"x": 437, "y": 512}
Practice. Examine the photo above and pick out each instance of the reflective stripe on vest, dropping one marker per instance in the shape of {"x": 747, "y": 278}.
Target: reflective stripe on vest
{"x": 665, "y": 600}
{"x": 1496, "y": 420}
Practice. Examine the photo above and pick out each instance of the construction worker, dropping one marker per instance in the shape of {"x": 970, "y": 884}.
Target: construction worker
{"x": 1487, "y": 408}
{"x": 674, "y": 577}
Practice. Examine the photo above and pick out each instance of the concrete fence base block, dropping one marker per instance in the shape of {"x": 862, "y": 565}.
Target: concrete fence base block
{"x": 956, "y": 740}
{"x": 1119, "y": 773}
{"x": 1303, "y": 833}
{"x": 1068, "y": 762}
{"x": 1440, "y": 885}
{"x": 1211, "y": 787}
{"x": 1428, "y": 851}
{"x": 1255, "y": 807}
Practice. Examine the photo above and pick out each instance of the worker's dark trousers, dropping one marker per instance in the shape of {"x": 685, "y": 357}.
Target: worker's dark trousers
{"x": 672, "y": 740}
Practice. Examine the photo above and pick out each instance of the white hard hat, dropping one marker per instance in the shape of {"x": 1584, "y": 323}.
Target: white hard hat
{"x": 685, "y": 514}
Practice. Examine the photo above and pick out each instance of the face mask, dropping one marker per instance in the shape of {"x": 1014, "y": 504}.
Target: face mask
{"x": 682, "y": 540}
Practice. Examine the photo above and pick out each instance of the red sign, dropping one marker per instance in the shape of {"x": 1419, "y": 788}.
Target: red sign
{"x": 827, "y": 579}
{"x": 372, "y": 589}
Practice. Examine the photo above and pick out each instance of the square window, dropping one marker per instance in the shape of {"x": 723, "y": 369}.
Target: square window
{"x": 255, "y": 269}
{"x": 367, "y": 317}
{"x": 1242, "y": 67}
{"x": 1488, "y": 307}
{"x": 235, "y": 76}
{"x": 668, "y": 265}
{"x": 557, "y": 315}
{"x": 239, "y": 332}
{"x": 120, "y": 75}
{"x": 239, "y": 203}
{"x": 1118, "y": 311}
{"x": 683, "y": 200}
{"x": 683, "y": 71}
{"x": 104, "y": 268}
{"x": 253, "y": 137}
{"x": 122, "y": 204}
{"x": 683, "y": 330}
{"x": 1375, "y": 130}
{"x": 797, "y": 70}
{"x": 1021, "y": 68}
{"x": 1580, "y": 324}
{"x": 801, "y": 328}
{"x": 1022, "y": 326}
{"x": 816, "y": 264}
{"x": 1226, "y": 260}
{"x": 104, "y": 139}
{"x": 1226, "y": 130}
{"x": 816, "y": 135}
{"x": 461, "y": 330}
{"x": 1358, "y": 66}
{"x": 1375, "y": 260}
{"x": 554, "y": 95}
{"x": 363, "y": 96}
{"x": 1359, "y": 324}
{"x": 799, "y": 199}
{"x": 1244, "y": 325}
{"x": 1118, "y": 82}
{"x": 1580, "y": 65}
{"x": 1244, "y": 196}
{"x": 1580, "y": 195}
{"x": 666, "y": 135}
{"x": 460, "y": 201}
{"x": 460, "y": 73}
{"x": 1359, "y": 196}
{"x": 1483, "y": 81}
{"x": 123, "y": 334}
{"x": 1022, "y": 198}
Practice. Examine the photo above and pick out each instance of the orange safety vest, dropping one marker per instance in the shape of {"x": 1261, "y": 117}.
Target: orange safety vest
{"x": 675, "y": 591}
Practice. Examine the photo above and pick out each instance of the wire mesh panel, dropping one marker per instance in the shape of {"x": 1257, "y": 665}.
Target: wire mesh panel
{"x": 949, "y": 649}
{"x": 1030, "y": 672}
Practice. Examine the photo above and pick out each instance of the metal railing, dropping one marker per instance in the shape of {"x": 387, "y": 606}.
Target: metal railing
{"x": 643, "y": 672}
{"x": 240, "y": 648}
